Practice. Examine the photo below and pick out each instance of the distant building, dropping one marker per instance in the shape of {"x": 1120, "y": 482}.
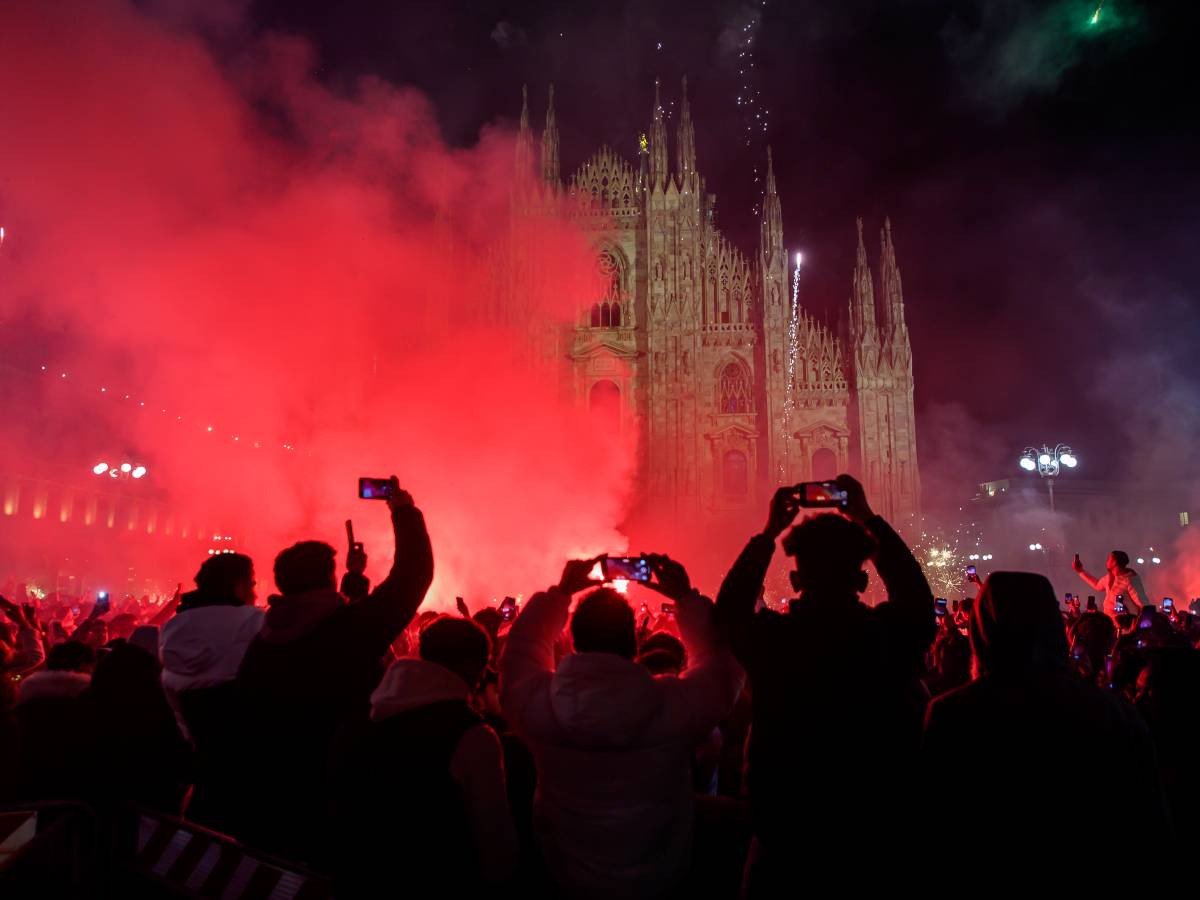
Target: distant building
{"x": 697, "y": 346}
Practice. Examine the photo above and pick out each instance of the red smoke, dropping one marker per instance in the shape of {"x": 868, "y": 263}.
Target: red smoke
{"x": 240, "y": 246}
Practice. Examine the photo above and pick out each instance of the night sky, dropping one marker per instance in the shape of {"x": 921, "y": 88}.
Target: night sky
{"x": 1040, "y": 172}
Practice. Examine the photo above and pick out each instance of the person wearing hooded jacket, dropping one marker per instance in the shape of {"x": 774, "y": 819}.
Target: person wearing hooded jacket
{"x": 614, "y": 808}
{"x": 426, "y": 750}
{"x": 1048, "y": 754}
{"x": 310, "y": 672}
{"x": 201, "y": 649}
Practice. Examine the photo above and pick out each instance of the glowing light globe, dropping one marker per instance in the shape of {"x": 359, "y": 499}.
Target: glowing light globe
{"x": 1028, "y": 464}
{"x": 1044, "y": 459}
{"x": 138, "y": 472}
{"x": 126, "y": 468}
{"x": 99, "y": 468}
{"x": 1068, "y": 460}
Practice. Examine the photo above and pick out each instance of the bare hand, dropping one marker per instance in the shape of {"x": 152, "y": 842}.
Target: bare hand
{"x": 856, "y": 509}
{"x": 1076, "y": 564}
{"x": 671, "y": 578}
{"x": 356, "y": 560}
{"x": 784, "y": 507}
{"x": 398, "y": 499}
{"x": 577, "y": 575}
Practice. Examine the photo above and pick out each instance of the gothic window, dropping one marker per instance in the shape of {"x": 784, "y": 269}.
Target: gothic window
{"x": 596, "y": 315}
{"x": 734, "y": 385}
{"x": 824, "y": 465}
{"x": 733, "y": 473}
{"x": 605, "y": 315}
{"x": 616, "y": 315}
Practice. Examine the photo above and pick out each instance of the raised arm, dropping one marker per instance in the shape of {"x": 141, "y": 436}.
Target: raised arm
{"x": 395, "y": 600}
{"x": 1096, "y": 584}
{"x": 741, "y": 588}
{"x": 529, "y": 651}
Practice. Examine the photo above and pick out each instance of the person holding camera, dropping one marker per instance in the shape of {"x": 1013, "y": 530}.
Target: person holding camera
{"x": 613, "y": 743}
{"x": 837, "y": 701}
{"x": 310, "y": 670}
{"x": 1118, "y": 581}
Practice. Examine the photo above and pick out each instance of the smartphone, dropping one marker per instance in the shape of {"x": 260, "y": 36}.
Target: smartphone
{"x": 508, "y": 609}
{"x": 1091, "y": 604}
{"x": 1067, "y": 598}
{"x": 374, "y": 488}
{"x": 103, "y": 603}
{"x": 1119, "y": 609}
{"x": 1168, "y": 604}
{"x": 668, "y": 608}
{"x": 354, "y": 545}
{"x": 970, "y": 571}
{"x": 1146, "y": 618}
{"x": 631, "y": 568}
{"x": 821, "y": 495}
{"x": 940, "y": 606}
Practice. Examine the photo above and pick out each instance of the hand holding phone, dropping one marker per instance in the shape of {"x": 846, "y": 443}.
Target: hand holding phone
{"x": 508, "y": 609}
{"x": 374, "y": 488}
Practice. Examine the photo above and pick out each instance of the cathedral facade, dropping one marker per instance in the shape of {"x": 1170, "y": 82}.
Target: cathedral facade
{"x": 701, "y": 351}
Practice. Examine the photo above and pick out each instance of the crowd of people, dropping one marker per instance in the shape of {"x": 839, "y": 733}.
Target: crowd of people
{"x": 587, "y": 746}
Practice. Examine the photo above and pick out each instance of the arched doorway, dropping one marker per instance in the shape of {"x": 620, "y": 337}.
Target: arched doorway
{"x": 604, "y": 404}
{"x": 824, "y": 465}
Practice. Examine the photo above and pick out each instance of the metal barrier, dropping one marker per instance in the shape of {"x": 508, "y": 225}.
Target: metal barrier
{"x": 68, "y": 850}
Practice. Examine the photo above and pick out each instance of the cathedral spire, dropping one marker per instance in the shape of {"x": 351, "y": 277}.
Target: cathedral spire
{"x": 772, "y": 219}
{"x": 524, "y": 152}
{"x": 685, "y": 147}
{"x": 658, "y": 144}
{"x": 862, "y": 297}
{"x": 550, "y": 167}
{"x": 893, "y": 293}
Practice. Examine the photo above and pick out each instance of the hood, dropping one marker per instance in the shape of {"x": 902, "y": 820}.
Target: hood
{"x": 1016, "y": 625}
{"x": 602, "y": 700}
{"x": 295, "y": 615}
{"x": 198, "y": 642}
{"x": 413, "y": 683}
{"x": 52, "y": 685}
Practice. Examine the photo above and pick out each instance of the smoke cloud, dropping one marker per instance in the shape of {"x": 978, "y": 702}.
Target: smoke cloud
{"x": 294, "y": 288}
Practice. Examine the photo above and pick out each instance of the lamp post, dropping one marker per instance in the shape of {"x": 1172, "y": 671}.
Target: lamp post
{"x": 1048, "y": 463}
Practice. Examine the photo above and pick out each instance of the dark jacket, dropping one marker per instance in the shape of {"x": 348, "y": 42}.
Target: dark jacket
{"x": 836, "y": 716}
{"x": 1045, "y": 755}
{"x": 309, "y": 671}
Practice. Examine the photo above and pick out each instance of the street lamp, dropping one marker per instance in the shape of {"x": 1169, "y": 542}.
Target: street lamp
{"x": 1048, "y": 463}
{"x": 124, "y": 470}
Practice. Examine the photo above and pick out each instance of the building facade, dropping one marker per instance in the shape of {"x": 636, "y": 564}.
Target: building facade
{"x": 731, "y": 388}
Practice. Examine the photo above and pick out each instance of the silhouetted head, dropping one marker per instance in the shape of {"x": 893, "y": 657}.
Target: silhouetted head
{"x": 71, "y": 656}
{"x": 1017, "y": 626}
{"x": 490, "y": 619}
{"x": 459, "y": 645}
{"x": 829, "y": 552}
{"x": 1117, "y": 560}
{"x": 1093, "y": 637}
{"x": 603, "y": 623}
{"x": 306, "y": 566}
{"x": 226, "y": 578}
{"x": 664, "y": 642}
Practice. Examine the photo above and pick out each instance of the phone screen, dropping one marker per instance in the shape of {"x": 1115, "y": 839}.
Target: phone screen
{"x": 970, "y": 570}
{"x": 940, "y": 606}
{"x": 631, "y": 568}
{"x": 1168, "y": 603}
{"x": 668, "y": 609}
{"x": 374, "y": 489}
{"x": 508, "y": 609}
{"x": 818, "y": 494}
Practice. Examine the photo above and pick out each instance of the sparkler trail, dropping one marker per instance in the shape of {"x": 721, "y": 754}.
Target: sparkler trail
{"x": 792, "y": 351}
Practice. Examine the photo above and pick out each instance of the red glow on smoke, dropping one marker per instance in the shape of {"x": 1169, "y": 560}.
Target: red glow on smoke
{"x": 242, "y": 247}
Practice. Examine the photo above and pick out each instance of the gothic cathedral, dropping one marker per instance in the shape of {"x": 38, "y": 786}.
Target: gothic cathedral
{"x": 732, "y": 389}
